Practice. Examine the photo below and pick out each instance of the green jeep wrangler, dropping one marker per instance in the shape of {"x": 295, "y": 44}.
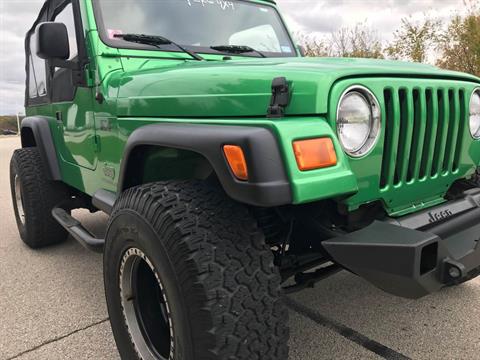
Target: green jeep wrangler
{"x": 235, "y": 171}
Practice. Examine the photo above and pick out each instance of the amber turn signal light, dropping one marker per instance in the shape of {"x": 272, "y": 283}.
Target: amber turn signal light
{"x": 314, "y": 153}
{"x": 236, "y": 161}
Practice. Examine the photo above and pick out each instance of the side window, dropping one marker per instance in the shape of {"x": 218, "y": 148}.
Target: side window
{"x": 37, "y": 76}
{"x": 67, "y": 17}
{"x": 57, "y": 84}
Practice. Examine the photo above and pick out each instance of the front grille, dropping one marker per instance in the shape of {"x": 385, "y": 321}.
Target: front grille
{"x": 424, "y": 130}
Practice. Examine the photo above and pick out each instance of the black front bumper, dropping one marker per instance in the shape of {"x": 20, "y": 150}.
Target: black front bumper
{"x": 416, "y": 255}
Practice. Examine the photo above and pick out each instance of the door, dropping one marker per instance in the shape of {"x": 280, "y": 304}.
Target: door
{"x": 73, "y": 105}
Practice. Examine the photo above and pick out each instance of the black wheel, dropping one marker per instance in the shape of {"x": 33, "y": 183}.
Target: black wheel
{"x": 34, "y": 197}
{"x": 188, "y": 276}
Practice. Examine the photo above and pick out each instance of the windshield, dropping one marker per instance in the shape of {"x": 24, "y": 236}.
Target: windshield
{"x": 196, "y": 24}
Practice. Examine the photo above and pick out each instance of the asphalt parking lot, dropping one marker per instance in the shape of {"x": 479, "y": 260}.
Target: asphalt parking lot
{"x": 52, "y": 307}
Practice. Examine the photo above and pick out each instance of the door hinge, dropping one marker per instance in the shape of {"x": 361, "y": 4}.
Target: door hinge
{"x": 59, "y": 117}
{"x": 97, "y": 143}
{"x": 280, "y": 98}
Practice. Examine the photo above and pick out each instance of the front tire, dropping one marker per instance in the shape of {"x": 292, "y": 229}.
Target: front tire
{"x": 188, "y": 276}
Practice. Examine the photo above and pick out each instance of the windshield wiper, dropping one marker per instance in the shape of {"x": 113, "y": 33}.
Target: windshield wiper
{"x": 237, "y": 49}
{"x": 156, "y": 40}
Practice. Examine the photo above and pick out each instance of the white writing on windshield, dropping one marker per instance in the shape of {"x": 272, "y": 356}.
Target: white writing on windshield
{"x": 224, "y": 4}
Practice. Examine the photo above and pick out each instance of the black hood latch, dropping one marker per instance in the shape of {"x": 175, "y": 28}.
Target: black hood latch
{"x": 280, "y": 98}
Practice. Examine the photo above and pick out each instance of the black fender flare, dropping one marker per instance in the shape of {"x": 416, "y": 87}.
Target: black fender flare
{"x": 38, "y": 127}
{"x": 268, "y": 184}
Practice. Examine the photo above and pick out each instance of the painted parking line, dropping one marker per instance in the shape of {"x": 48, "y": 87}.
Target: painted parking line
{"x": 346, "y": 332}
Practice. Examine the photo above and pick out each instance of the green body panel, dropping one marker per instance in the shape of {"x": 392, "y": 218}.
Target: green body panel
{"x": 306, "y": 186}
{"x": 421, "y": 191}
{"x": 144, "y": 87}
{"x": 78, "y": 130}
{"x": 243, "y": 87}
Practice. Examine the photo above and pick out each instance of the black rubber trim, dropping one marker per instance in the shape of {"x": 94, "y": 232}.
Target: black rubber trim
{"x": 44, "y": 142}
{"x": 104, "y": 200}
{"x": 268, "y": 184}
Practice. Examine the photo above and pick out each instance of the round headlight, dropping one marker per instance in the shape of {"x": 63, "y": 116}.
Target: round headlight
{"x": 475, "y": 114}
{"x": 358, "y": 121}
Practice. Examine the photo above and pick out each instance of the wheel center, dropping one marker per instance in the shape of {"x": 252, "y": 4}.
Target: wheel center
{"x": 145, "y": 307}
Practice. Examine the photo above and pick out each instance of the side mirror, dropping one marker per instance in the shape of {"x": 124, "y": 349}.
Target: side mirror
{"x": 52, "y": 41}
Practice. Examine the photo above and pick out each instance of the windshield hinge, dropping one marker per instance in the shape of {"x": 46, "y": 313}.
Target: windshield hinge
{"x": 280, "y": 98}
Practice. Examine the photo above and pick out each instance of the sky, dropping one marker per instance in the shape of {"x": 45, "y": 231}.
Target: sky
{"x": 319, "y": 17}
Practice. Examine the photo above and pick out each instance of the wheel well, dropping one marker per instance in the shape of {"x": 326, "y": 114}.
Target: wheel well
{"x": 27, "y": 137}
{"x": 149, "y": 163}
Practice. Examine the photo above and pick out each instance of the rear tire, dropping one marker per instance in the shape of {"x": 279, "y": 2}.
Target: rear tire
{"x": 34, "y": 197}
{"x": 204, "y": 261}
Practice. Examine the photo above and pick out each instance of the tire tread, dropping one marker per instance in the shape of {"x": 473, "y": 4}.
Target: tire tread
{"x": 222, "y": 262}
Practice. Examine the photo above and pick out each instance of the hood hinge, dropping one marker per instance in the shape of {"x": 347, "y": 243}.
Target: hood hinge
{"x": 280, "y": 98}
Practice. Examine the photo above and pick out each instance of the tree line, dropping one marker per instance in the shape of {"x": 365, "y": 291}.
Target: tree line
{"x": 452, "y": 45}
{"x": 8, "y": 125}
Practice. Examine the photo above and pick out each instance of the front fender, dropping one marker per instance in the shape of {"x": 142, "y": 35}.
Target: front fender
{"x": 268, "y": 184}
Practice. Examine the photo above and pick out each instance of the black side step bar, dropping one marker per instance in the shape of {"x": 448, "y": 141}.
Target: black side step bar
{"x": 75, "y": 228}
{"x": 104, "y": 200}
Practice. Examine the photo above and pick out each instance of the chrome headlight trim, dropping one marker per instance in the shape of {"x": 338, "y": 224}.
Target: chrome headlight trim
{"x": 474, "y": 134}
{"x": 376, "y": 121}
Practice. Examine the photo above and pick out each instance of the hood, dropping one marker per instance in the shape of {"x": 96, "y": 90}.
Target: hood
{"x": 157, "y": 88}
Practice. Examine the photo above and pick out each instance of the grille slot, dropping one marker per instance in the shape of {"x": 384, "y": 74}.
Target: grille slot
{"x": 462, "y": 103}
{"x": 417, "y": 136}
{"x": 440, "y": 136}
{"x": 403, "y": 142}
{"x": 423, "y": 134}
